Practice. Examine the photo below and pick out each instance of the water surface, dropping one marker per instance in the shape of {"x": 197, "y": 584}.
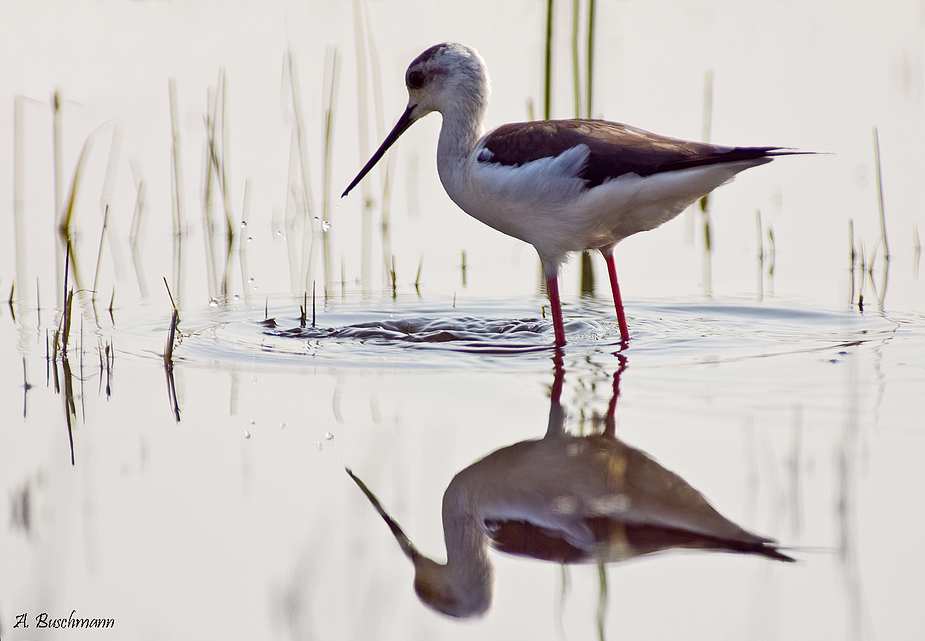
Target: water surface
{"x": 781, "y": 380}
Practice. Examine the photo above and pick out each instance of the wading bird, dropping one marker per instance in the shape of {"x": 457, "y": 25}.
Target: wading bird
{"x": 566, "y": 499}
{"x": 561, "y": 185}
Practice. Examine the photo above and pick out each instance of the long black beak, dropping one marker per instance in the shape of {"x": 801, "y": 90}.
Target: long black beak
{"x": 403, "y": 541}
{"x": 403, "y": 123}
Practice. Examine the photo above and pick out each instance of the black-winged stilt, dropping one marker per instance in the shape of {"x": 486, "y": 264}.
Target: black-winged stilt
{"x": 566, "y": 499}
{"x": 560, "y": 185}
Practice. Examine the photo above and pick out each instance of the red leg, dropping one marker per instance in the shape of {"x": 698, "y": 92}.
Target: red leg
{"x": 617, "y": 299}
{"x": 552, "y": 288}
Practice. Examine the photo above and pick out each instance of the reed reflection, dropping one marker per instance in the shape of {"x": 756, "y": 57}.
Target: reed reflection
{"x": 567, "y": 499}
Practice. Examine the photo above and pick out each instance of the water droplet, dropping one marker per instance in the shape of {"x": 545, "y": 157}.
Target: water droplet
{"x": 250, "y": 280}
{"x": 319, "y": 445}
{"x": 325, "y": 226}
{"x": 213, "y": 302}
{"x": 253, "y": 422}
{"x": 279, "y": 233}
{"x": 247, "y": 434}
{"x": 243, "y": 224}
{"x": 250, "y": 238}
{"x": 328, "y": 436}
{"x": 236, "y": 297}
{"x": 282, "y": 425}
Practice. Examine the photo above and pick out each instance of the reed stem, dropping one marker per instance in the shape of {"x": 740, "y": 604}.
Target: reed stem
{"x": 589, "y": 82}
{"x": 176, "y": 184}
{"x": 576, "y": 67}
{"x": 547, "y": 70}
{"x": 331, "y": 91}
{"x": 886, "y": 245}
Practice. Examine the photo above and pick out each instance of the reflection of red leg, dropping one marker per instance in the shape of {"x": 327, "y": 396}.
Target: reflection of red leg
{"x": 617, "y": 299}
{"x": 552, "y": 288}
{"x": 610, "y": 421}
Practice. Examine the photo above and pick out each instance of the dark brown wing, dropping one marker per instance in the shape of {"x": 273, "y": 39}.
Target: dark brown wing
{"x": 526, "y": 539}
{"x": 615, "y": 149}
{"x": 628, "y": 540}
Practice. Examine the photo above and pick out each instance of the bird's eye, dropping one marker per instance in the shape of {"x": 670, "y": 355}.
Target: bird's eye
{"x": 415, "y": 80}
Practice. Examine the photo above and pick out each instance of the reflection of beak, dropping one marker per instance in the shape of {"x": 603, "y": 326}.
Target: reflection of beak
{"x": 403, "y": 123}
{"x": 403, "y": 541}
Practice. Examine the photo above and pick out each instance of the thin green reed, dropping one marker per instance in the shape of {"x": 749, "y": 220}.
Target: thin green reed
{"x": 576, "y": 71}
{"x": 211, "y": 167}
{"x": 601, "y": 600}
{"x": 330, "y": 105}
{"x": 137, "y": 228}
{"x": 56, "y": 151}
{"x": 886, "y": 245}
{"x": 587, "y": 280}
{"x": 705, "y": 200}
{"x": 217, "y": 163}
{"x": 67, "y": 214}
{"x": 547, "y": 72}
{"x": 176, "y": 185}
{"x": 589, "y": 83}
{"x": 105, "y": 202}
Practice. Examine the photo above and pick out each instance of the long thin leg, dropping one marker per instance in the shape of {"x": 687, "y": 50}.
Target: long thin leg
{"x": 617, "y": 299}
{"x": 552, "y": 288}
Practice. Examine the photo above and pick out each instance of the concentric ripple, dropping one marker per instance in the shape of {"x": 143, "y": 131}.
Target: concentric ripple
{"x": 512, "y": 334}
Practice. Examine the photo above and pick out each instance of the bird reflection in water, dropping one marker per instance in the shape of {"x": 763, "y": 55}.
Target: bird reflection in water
{"x": 567, "y": 499}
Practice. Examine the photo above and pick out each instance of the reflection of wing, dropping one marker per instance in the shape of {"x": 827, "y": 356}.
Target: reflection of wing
{"x": 525, "y": 539}
{"x": 647, "y": 539}
{"x": 614, "y": 541}
{"x": 592, "y": 499}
